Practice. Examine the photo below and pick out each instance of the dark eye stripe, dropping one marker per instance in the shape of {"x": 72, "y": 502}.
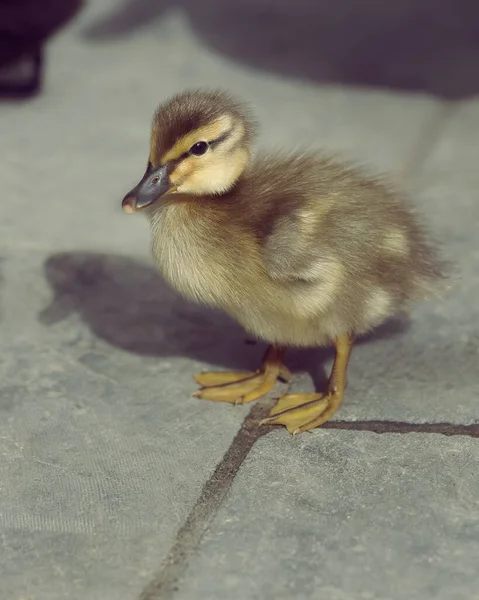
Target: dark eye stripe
{"x": 221, "y": 138}
{"x": 211, "y": 143}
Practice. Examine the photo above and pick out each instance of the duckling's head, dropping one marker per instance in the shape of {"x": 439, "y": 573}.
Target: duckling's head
{"x": 200, "y": 145}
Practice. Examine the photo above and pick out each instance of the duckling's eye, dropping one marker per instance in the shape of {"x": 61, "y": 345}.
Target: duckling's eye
{"x": 199, "y": 148}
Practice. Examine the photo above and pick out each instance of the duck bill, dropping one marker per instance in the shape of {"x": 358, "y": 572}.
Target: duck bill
{"x": 154, "y": 184}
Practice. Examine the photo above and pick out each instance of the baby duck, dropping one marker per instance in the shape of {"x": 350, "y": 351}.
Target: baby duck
{"x": 301, "y": 250}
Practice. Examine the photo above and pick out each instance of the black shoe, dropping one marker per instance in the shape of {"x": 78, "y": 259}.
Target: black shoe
{"x": 22, "y": 77}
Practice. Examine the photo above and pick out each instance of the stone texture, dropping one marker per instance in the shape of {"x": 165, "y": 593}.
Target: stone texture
{"x": 91, "y": 464}
{"x": 72, "y": 154}
{"x": 115, "y": 316}
{"x": 345, "y": 515}
{"x": 104, "y": 452}
{"x": 53, "y": 564}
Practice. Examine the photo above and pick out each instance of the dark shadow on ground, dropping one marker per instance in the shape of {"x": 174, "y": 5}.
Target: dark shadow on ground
{"x": 25, "y": 29}
{"x": 415, "y": 45}
{"x": 126, "y": 303}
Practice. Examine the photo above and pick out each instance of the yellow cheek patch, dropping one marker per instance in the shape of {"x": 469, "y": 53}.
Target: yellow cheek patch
{"x": 202, "y": 134}
{"x": 213, "y": 175}
{"x": 182, "y": 171}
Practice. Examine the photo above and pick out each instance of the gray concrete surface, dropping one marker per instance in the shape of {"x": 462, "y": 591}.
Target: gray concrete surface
{"x": 339, "y": 515}
{"x": 115, "y": 483}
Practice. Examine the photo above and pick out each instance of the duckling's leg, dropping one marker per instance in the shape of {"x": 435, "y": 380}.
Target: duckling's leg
{"x": 302, "y": 412}
{"x": 241, "y": 388}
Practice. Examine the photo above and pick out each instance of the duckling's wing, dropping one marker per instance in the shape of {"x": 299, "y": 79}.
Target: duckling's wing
{"x": 295, "y": 242}
{"x": 291, "y": 251}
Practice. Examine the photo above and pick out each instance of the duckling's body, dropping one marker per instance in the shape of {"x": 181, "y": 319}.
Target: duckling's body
{"x": 299, "y": 264}
{"x": 301, "y": 250}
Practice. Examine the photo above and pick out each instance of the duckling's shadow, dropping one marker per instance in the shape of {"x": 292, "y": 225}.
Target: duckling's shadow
{"x": 126, "y": 303}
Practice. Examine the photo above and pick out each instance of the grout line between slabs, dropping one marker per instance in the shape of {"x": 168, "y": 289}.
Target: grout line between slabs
{"x": 164, "y": 584}
{"x": 403, "y": 427}
{"x": 429, "y": 135}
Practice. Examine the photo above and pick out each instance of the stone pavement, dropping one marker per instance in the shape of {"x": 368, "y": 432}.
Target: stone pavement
{"x": 115, "y": 483}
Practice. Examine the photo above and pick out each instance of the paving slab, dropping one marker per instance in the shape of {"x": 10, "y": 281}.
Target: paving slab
{"x": 90, "y": 464}
{"x": 57, "y": 565}
{"x": 345, "y": 515}
{"x": 104, "y": 452}
{"x": 84, "y": 141}
{"x": 75, "y": 224}
{"x": 430, "y": 369}
{"x": 323, "y": 42}
{"x": 117, "y": 317}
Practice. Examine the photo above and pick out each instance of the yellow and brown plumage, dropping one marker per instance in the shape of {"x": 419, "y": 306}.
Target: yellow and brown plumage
{"x": 300, "y": 249}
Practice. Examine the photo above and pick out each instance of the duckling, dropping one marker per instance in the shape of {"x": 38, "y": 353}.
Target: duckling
{"x": 302, "y": 250}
